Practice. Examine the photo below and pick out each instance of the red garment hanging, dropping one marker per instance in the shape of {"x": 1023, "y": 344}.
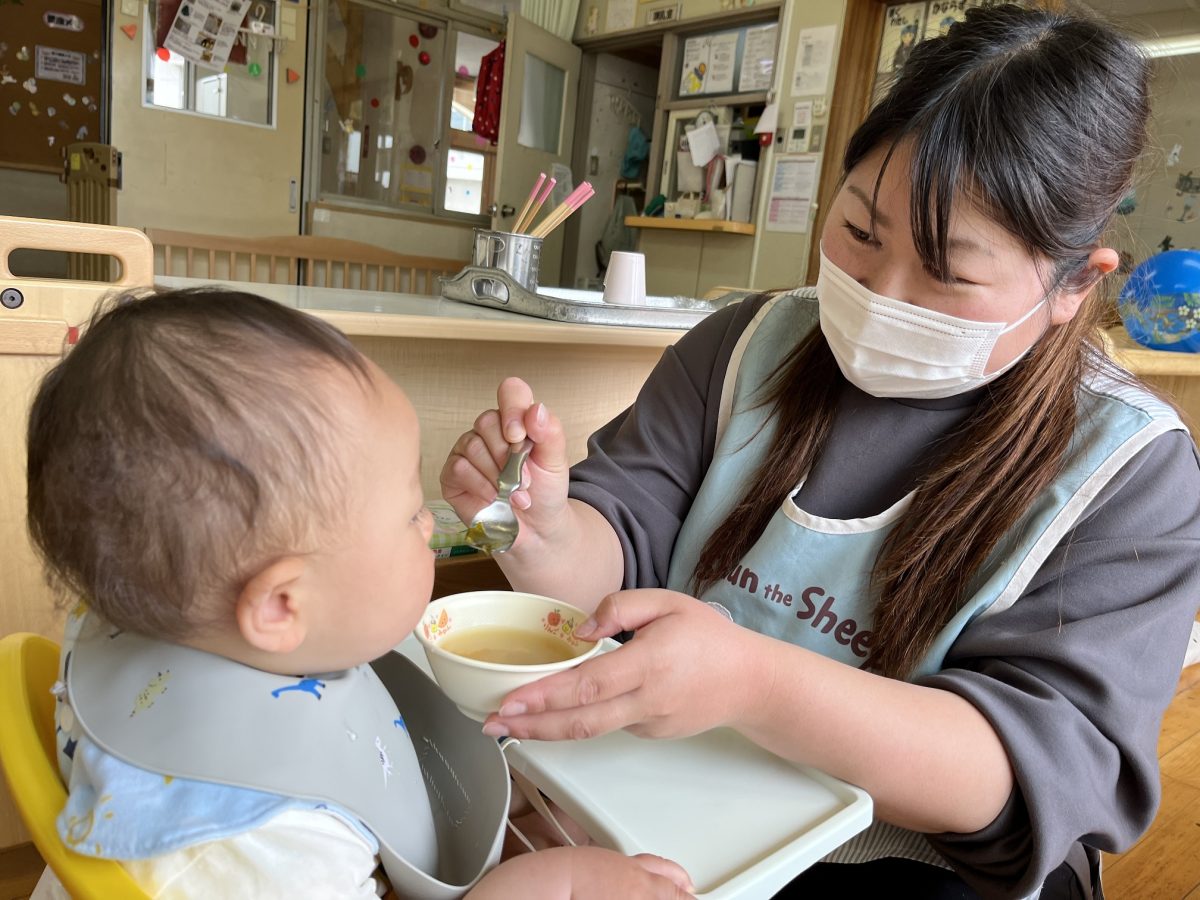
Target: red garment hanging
{"x": 488, "y": 89}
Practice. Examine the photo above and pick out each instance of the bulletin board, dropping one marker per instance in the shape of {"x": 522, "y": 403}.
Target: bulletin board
{"x": 51, "y": 80}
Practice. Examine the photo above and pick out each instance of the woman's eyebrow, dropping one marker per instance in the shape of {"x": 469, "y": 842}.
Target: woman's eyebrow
{"x": 878, "y": 217}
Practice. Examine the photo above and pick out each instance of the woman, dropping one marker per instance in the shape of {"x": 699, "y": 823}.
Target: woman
{"x": 957, "y": 546}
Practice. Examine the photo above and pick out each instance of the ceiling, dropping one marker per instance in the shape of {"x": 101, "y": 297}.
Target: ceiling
{"x": 1134, "y": 8}
{"x": 1151, "y": 18}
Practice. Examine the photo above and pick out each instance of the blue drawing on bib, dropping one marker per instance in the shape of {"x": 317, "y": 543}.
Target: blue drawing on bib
{"x": 399, "y": 723}
{"x": 305, "y": 685}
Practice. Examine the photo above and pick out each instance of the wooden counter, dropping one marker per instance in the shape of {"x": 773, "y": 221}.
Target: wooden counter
{"x": 449, "y": 357}
{"x": 1176, "y": 374}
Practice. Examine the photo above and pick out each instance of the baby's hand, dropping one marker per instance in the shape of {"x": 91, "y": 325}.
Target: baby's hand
{"x": 584, "y": 873}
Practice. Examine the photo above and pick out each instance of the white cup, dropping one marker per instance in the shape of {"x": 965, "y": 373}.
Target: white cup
{"x": 625, "y": 279}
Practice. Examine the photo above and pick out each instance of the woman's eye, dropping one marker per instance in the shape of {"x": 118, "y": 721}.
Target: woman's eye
{"x": 949, "y": 278}
{"x": 858, "y": 234}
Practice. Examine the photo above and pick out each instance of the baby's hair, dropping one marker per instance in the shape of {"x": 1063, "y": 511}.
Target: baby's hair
{"x": 188, "y": 437}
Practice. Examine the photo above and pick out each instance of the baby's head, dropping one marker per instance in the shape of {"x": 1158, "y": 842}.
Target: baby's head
{"x": 219, "y": 470}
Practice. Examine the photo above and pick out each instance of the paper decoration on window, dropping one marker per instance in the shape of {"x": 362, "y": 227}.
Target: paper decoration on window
{"x": 163, "y": 53}
{"x": 292, "y": 76}
{"x": 429, "y": 32}
{"x": 254, "y": 69}
{"x": 423, "y": 58}
{"x": 166, "y": 11}
{"x": 414, "y": 41}
{"x": 417, "y": 154}
{"x": 374, "y": 103}
{"x": 130, "y": 31}
{"x": 204, "y": 31}
{"x": 404, "y": 78}
{"x": 360, "y": 71}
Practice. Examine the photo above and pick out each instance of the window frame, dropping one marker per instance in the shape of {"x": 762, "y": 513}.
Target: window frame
{"x": 454, "y": 21}
{"x": 190, "y": 77}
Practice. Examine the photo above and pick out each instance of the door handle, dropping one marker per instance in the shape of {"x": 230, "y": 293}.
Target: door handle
{"x": 505, "y": 210}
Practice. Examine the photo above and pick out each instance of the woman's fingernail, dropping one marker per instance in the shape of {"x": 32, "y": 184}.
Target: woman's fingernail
{"x": 513, "y": 708}
{"x": 495, "y": 729}
{"x": 540, "y": 415}
{"x": 589, "y": 625}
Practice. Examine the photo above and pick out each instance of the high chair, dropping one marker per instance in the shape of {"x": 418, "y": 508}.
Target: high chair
{"x": 28, "y": 669}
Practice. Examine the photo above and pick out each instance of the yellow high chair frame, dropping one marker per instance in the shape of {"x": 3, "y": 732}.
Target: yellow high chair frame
{"x": 28, "y": 669}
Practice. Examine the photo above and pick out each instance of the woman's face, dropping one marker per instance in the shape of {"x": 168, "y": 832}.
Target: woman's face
{"x": 993, "y": 278}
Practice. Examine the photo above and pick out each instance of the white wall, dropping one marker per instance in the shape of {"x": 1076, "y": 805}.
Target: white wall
{"x": 37, "y": 195}
{"x": 196, "y": 173}
{"x": 782, "y": 259}
{"x": 609, "y": 135}
{"x": 418, "y": 237}
{"x": 1161, "y": 210}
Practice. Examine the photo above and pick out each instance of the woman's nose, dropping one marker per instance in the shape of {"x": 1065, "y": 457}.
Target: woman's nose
{"x": 889, "y": 282}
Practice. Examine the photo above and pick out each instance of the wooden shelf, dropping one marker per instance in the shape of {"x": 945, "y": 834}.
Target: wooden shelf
{"x": 704, "y": 101}
{"x": 718, "y": 225}
{"x": 1144, "y": 361}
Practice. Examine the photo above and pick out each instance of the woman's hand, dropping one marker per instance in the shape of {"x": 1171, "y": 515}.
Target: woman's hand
{"x": 469, "y": 476}
{"x": 688, "y": 669}
{"x": 583, "y": 873}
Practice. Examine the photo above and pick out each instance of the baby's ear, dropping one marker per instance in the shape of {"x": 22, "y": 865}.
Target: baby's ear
{"x": 268, "y": 608}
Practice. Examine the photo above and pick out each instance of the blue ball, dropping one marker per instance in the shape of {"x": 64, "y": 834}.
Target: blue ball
{"x": 1160, "y": 302}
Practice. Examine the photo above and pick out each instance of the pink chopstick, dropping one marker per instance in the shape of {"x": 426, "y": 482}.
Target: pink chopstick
{"x": 526, "y": 221}
{"x": 528, "y": 203}
{"x": 574, "y": 200}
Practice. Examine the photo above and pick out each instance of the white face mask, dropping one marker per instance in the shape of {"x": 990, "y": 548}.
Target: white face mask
{"x": 890, "y": 348}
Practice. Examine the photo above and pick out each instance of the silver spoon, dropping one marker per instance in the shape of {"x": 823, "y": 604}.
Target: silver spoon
{"x": 494, "y": 528}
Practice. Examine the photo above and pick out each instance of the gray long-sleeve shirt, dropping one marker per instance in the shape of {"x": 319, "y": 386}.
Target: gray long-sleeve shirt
{"x": 1074, "y": 677}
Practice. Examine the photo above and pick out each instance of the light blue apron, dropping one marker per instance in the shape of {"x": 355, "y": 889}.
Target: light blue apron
{"x": 807, "y": 578}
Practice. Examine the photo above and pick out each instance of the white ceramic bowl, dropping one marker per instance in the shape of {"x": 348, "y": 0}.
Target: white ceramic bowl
{"x": 477, "y": 687}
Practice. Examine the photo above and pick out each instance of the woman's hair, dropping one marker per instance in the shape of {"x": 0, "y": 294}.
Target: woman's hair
{"x": 188, "y": 437}
{"x": 1038, "y": 118}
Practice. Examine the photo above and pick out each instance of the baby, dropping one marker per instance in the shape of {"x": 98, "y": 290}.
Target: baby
{"x": 233, "y": 493}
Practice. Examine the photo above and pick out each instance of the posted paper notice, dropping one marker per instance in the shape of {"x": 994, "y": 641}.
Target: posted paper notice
{"x": 792, "y": 190}
{"x": 758, "y": 59}
{"x": 708, "y": 64}
{"x": 814, "y": 58}
{"x": 204, "y": 31}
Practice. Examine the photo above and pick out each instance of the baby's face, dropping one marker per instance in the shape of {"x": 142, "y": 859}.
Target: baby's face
{"x": 375, "y": 580}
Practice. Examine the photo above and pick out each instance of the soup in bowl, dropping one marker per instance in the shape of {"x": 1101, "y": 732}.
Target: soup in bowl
{"x": 483, "y": 644}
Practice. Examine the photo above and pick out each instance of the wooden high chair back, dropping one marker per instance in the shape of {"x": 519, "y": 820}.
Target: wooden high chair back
{"x": 298, "y": 259}
{"x": 34, "y": 333}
